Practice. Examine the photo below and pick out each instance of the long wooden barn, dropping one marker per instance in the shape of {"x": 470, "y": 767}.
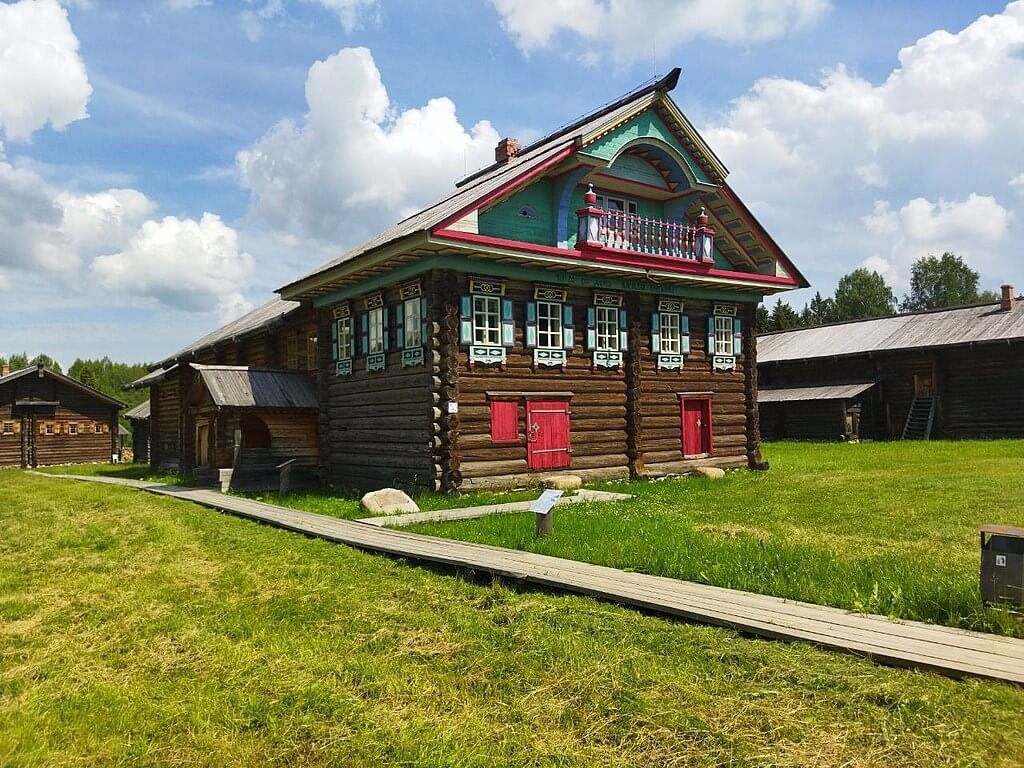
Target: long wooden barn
{"x": 48, "y": 418}
{"x": 583, "y": 304}
{"x": 953, "y": 373}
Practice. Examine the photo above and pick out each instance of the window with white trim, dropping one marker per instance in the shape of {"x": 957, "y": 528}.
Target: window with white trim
{"x": 671, "y": 336}
{"x": 549, "y": 325}
{"x": 620, "y": 204}
{"x": 487, "y": 320}
{"x": 344, "y": 325}
{"x": 376, "y": 327}
{"x": 608, "y": 329}
{"x": 723, "y": 335}
{"x": 8, "y": 428}
{"x": 72, "y": 429}
{"x": 413, "y": 331}
{"x": 50, "y": 429}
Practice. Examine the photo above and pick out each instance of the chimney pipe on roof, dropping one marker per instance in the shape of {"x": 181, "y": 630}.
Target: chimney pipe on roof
{"x": 1007, "y": 301}
{"x": 507, "y": 149}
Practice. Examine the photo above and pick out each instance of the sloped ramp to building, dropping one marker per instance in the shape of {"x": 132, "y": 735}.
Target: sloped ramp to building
{"x": 948, "y": 651}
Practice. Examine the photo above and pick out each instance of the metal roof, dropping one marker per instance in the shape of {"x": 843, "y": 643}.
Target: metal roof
{"x": 268, "y": 314}
{"x": 235, "y": 386}
{"x": 41, "y": 371}
{"x": 938, "y": 328}
{"x": 826, "y": 392}
{"x": 139, "y": 413}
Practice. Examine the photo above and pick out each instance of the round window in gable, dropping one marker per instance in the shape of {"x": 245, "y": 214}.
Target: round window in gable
{"x": 528, "y": 212}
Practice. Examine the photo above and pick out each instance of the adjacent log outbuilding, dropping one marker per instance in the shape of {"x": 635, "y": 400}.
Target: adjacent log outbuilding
{"x": 48, "y": 418}
{"x": 953, "y": 373}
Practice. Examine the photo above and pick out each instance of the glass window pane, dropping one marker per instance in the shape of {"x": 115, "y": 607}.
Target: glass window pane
{"x": 412, "y": 323}
{"x": 549, "y": 325}
{"x": 670, "y": 333}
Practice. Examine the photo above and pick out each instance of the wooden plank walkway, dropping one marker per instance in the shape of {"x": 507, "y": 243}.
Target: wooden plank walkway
{"x": 952, "y": 652}
{"x": 471, "y": 513}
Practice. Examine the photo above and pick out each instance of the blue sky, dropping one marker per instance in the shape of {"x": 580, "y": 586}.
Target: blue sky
{"x": 849, "y": 154}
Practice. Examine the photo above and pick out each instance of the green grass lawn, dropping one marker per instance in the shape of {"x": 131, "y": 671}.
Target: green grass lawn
{"x": 126, "y": 471}
{"x": 885, "y": 528}
{"x": 142, "y": 630}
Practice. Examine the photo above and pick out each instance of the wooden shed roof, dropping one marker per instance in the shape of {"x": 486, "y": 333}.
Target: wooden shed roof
{"x": 153, "y": 377}
{"x": 139, "y": 413}
{"x": 234, "y": 386}
{"x": 826, "y": 392}
{"x": 976, "y": 324}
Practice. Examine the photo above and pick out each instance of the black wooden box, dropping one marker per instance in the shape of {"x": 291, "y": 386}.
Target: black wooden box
{"x": 1002, "y": 564}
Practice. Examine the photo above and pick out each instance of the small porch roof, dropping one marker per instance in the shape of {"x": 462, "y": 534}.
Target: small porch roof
{"x": 153, "y": 377}
{"x": 824, "y": 392}
{"x": 233, "y": 386}
{"x": 139, "y": 413}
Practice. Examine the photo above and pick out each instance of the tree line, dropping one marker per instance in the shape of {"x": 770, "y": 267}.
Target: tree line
{"x": 935, "y": 282}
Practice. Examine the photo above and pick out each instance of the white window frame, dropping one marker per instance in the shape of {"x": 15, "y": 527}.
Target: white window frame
{"x": 670, "y": 325}
{"x": 628, "y": 206}
{"x": 50, "y": 429}
{"x": 411, "y": 309}
{"x": 7, "y": 429}
{"x": 607, "y": 317}
{"x": 375, "y": 326}
{"x": 72, "y": 429}
{"x": 724, "y": 330}
{"x": 486, "y": 333}
{"x": 549, "y": 328}
{"x": 344, "y": 326}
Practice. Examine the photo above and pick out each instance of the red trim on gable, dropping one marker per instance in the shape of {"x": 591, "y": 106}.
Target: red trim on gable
{"x": 504, "y": 188}
{"x": 801, "y": 281}
{"x": 617, "y": 257}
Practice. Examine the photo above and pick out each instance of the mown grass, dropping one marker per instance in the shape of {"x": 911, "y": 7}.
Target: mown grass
{"x": 886, "y": 528}
{"x": 140, "y": 630}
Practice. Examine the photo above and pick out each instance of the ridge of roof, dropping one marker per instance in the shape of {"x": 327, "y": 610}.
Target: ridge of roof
{"x": 664, "y": 85}
{"x": 81, "y": 386}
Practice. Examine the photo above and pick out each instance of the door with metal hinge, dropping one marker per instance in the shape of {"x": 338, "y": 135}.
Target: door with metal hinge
{"x": 696, "y": 426}
{"x": 547, "y": 434}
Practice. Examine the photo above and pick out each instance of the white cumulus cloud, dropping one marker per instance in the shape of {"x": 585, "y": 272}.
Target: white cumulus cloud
{"x": 810, "y": 157}
{"x": 628, "y": 27}
{"x": 354, "y": 164}
{"x": 350, "y": 13}
{"x": 181, "y": 263}
{"x": 42, "y": 76}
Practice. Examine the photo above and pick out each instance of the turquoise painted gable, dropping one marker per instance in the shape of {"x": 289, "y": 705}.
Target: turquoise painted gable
{"x": 527, "y": 216}
{"x": 645, "y": 125}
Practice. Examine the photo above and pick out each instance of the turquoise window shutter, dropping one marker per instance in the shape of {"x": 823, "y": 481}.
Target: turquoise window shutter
{"x": 334, "y": 340}
{"x": 466, "y": 317}
{"x": 364, "y": 332}
{"x": 591, "y": 328}
{"x": 737, "y": 336}
{"x": 655, "y": 333}
{"x": 427, "y": 330}
{"x": 711, "y": 336}
{"x": 384, "y": 319}
{"x": 508, "y": 324}
{"x": 567, "y": 330}
{"x": 531, "y": 324}
{"x": 684, "y": 334}
{"x": 400, "y": 325}
{"x": 623, "y": 338}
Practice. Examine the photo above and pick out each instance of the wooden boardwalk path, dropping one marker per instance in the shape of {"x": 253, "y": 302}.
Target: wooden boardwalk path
{"x": 952, "y": 652}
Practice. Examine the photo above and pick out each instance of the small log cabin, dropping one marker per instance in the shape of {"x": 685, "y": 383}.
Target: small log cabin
{"x": 583, "y": 304}
{"x": 139, "y": 418}
{"x": 953, "y": 373}
{"x": 48, "y": 418}
{"x": 243, "y": 396}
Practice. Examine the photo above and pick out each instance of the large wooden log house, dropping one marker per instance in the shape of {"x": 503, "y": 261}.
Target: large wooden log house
{"x": 954, "y": 373}
{"x": 584, "y": 304}
{"x": 48, "y": 418}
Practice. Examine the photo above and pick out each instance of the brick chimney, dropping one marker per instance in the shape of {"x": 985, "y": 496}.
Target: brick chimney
{"x": 507, "y": 149}
{"x": 1007, "y": 300}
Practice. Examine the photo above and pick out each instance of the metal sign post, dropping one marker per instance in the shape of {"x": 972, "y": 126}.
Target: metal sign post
{"x": 542, "y": 509}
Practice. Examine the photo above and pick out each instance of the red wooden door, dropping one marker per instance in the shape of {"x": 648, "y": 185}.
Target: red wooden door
{"x": 547, "y": 434}
{"x": 696, "y": 426}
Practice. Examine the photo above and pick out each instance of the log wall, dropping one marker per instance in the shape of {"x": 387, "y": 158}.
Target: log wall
{"x": 32, "y": 444}
{"x": 982, "y": 391}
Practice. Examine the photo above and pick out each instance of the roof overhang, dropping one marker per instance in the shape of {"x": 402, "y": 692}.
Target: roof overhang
{"x": 803, "y": 394}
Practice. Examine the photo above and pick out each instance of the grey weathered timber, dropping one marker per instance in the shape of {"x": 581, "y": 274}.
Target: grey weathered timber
{"x": 948, "y": 651}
